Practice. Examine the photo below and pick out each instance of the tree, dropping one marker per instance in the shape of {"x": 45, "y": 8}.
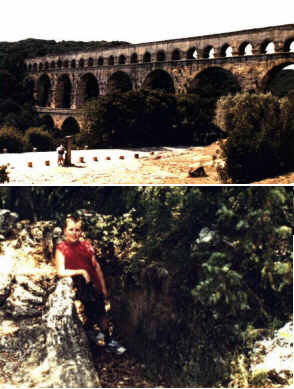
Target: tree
{"x": 253, "y": 147}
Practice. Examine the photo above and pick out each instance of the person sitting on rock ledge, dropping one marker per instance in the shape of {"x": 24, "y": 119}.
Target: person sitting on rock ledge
{"x": 76, "y": 258}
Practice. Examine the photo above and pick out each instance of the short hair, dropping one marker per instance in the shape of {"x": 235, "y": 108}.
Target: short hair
{"x": 73, "y": 218}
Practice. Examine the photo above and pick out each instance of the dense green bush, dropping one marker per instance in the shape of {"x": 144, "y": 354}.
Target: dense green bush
{"x": 9, "y": 106}
{"x": 19, "y": 116}
{"x": 11, "y": 139}
{"x": 258, "y": 139}
{"x": 287, "y": 131}
{"x": 39, "y": 138}
{"x": 147, "y": 117}
{"x": 132, "y": 118}
{"x": 7, "y": 84}
{"x": 4, "y": 177}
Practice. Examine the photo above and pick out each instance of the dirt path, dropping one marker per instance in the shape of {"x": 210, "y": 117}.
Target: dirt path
{"x": 123, "y": 371}
{"x": 120, "y": 167}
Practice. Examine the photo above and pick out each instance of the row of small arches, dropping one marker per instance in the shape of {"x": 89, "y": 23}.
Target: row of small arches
{"x": 246, "y": 48}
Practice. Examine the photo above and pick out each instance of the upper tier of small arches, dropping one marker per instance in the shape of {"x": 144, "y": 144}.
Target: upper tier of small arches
{"x": 154, "y": 53}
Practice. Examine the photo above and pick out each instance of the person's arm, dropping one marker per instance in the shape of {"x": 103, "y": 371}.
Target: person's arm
{"x": 100, "y": 276}
{"x": 63, "y": 272}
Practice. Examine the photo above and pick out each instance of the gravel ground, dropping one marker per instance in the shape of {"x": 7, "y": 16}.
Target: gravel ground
{"x": 155, "y": 166}
{"x": 152, "y": 167}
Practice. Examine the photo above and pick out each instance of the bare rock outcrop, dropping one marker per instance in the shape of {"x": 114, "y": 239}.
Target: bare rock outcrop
{"x": 42, "y": 342}
{"x": 271, "y": 360}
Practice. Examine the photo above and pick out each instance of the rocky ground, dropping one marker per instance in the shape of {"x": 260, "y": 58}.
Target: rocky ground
{"x": 159, "y": 166}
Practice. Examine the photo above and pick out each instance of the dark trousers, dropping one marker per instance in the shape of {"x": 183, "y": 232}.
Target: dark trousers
{"x": 93, "y": 302}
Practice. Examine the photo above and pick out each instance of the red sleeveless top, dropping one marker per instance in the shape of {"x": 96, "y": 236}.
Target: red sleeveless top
{"x": 78, "y": 255}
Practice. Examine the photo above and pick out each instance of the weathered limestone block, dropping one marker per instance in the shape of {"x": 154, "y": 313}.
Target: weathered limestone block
{"x": 22, "y": 303}
{"x": 42, "y": 342}
{"x": 31, "y": 286}
{"x": 5, "y": 281}
{"x": 6, "y": 277}
{"x": 67, "y": 345}
{"x": 8, "y": 221}
{"x": 273, "y": 357}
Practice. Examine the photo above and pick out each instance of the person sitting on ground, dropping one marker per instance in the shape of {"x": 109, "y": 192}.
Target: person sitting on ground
{"x": 76, "y": 258}
{"x": 60, "y": 153}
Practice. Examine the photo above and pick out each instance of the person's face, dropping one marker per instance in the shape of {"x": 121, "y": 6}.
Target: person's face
{"x": 73, "y": 231}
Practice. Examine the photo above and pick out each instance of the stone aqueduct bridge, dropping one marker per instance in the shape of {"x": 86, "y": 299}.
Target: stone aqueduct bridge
{"x": 250, "y": 57}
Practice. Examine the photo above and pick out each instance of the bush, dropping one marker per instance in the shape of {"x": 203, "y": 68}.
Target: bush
{"x": 9, "y": 106}
{"x": 39, "y": 138}
{"x": 147, "y": 117}
{"x": 287, "y": 131}
{"x": 3, "y": 177}
{"x": 255, "y": 136}
{"x": 12, "y": 140}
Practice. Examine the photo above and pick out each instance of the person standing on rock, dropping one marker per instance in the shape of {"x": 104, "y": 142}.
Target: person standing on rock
{"x": 76, "y": 258}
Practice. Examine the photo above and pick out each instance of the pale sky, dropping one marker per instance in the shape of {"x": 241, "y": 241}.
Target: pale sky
{"x": 136, "y": 21}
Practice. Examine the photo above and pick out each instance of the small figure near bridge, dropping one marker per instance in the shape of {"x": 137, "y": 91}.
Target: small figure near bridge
{"x": 60, "y": 155}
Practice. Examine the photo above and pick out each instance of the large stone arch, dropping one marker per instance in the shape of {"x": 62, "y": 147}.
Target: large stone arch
{"x": 279, "y": 80}
{"x": 214, "y": 82}
{"x": 48, "y": 122}
{"x": 44, "y": 91}
{"x": 88, "y": 89}
{"x": 119, "y": 82}
{"x": 63, "y": 92}
{"x": 159, "y": 79}
{"x": 70, "y": 126}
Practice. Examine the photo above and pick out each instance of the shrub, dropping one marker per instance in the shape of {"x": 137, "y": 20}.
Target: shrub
{"x": 287, "y": 131}
{"x": 147, "y": 117}
{"x": 3, "y": 177}
{"x": 39, "y": 138}
{"x": 253, "y": 125}
{"x": 9, "y": 106}
{"x": 7, "y": 84}
{"x": 11, "y": 139}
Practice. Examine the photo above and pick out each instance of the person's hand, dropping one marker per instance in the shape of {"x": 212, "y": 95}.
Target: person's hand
{"x": 86, "y": 276}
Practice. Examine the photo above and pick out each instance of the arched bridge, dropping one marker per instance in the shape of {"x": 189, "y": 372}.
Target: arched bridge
{"x": 248, "y": 58}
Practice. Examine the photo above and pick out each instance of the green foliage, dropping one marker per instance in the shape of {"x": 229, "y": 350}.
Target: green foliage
{"x": 194, "y": 121}
{"x": 242, "y": 274}
{"x": 17, "y": 114}
{"x": 146, "y": 117}
{"x": 287, "y": 130}
{"x": 258, "y": 136}
{"x": 8, "y": 106}
{"x": 7, "y": 84}
{"x": 39, "y": 138}
{"x": 132, "y": 118}
{"x": 114, "y": 235}
{"x": 14, "y": 53}
{"x": 49, "y": 202}
{"x": 4, "y": 177}
{"x": 11, "y": 139}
